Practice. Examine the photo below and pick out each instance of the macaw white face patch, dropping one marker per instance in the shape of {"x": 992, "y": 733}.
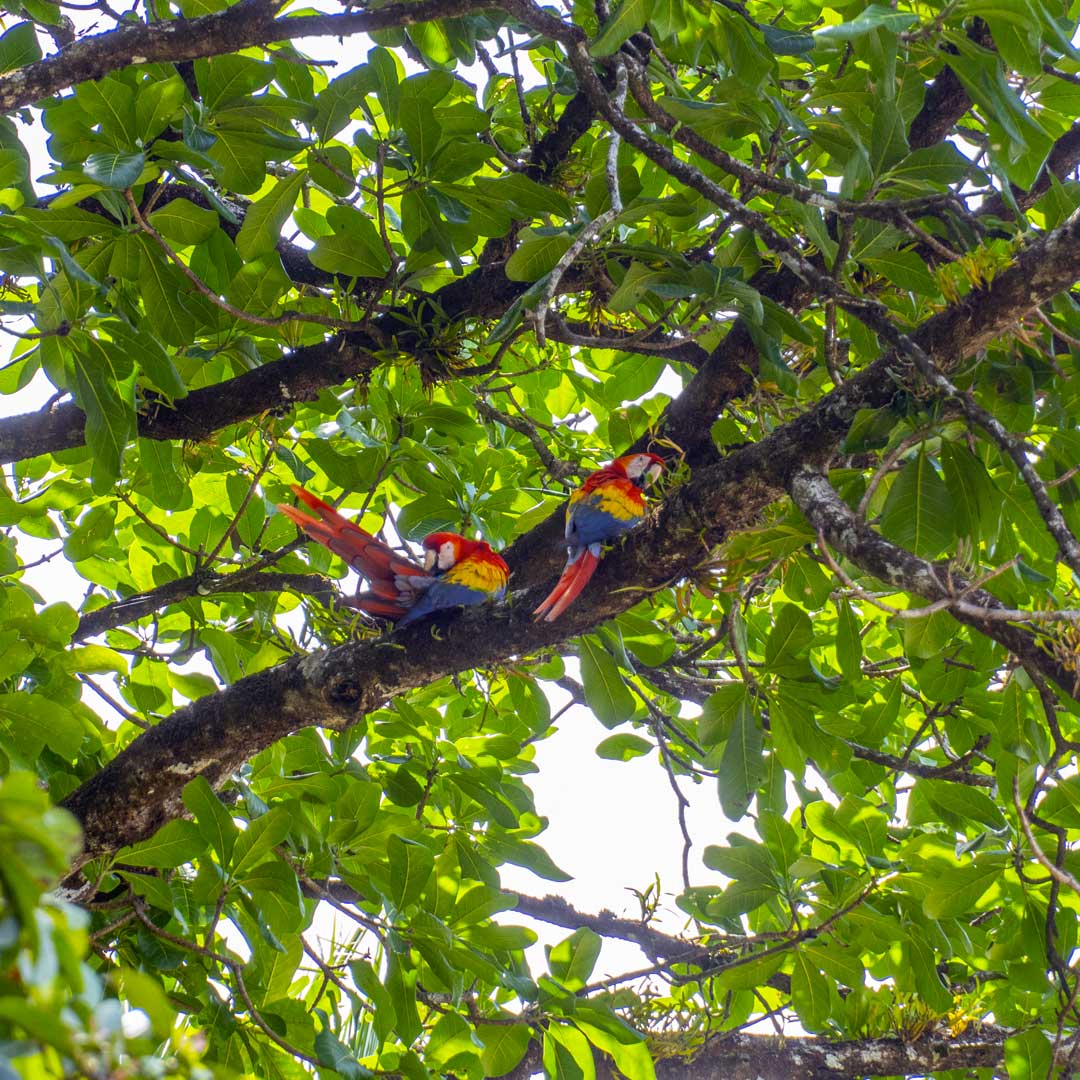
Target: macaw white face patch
{"x": 643, "y": 470}
{"x": 447, "y": 555}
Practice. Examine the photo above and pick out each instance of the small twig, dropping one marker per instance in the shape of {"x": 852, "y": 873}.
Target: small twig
{"x": 1059, "y": 874}
{"x": 230, "y": 309}
{"x": 130, "y": 717}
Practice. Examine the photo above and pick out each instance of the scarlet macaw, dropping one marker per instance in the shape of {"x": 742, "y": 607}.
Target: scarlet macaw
{"x": 607, "y": 504}
{"x": 456, "y": 570}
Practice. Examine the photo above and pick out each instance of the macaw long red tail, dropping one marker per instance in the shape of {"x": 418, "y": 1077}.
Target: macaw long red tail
{"x": 567, "y": 589}
{"x": 363, "y": 552}
{"x": 377, "y": 562}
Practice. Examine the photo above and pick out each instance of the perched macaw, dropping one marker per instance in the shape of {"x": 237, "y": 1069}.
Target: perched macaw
{"x": 456, "y": 570}
{"x": 607, "y": 504}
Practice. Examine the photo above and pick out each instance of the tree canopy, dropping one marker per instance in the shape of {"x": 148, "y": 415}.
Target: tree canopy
{"x": 820, "y": 257}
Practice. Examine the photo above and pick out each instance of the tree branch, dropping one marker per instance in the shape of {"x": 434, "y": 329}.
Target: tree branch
{"x": 765, "y": 1057}
{"x": 830, "y": 515}
{"x": 246, "y": 24}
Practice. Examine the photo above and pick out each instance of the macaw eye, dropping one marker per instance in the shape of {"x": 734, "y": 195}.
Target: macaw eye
{"x": 429, "y": 559}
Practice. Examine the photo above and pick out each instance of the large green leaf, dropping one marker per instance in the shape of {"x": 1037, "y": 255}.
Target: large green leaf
{"x": 918, "y": 512}
{"x": 263, "y": 221}
{"x": 631, "y": 16}
{"x": 355, "y": 248}
{"x": 115, "y": 170}
{"x": 105, "y": 389}
{"x": 605, "y": 690}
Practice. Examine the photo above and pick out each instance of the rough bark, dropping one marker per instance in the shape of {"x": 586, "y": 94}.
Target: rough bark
{"x": 768, "y": 1057}
{"x": 871, "y": 552}
{"x": 241, "y": 26}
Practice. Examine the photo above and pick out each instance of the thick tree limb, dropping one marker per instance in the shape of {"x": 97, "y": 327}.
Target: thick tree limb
{"x": 241, "y": 26}
{"x": 946, "y": 99}
{"x": 297, "y": 376}
{"x": 739, "y": 1056}
{"x": 654, "y": 943}
{"x": 206, "y": 583}
{"x": 1040, "y": 271}
{"x": 766, "y": 1057}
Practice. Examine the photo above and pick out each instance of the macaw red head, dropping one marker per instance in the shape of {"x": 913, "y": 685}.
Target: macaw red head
{"x": 640, "y": 469}
{"x": 442, "y": 550}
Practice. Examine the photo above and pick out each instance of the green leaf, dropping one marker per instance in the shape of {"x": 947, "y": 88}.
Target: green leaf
{"x": 939, "y": 165}
{"x": 537, "y": 253}
{"x": 965, "y": 804}
{"x": 888, "y": 136}
{"x": 745, "y": 861}
{"x": 94, "y": 529}
{"x": 848, "y": 642}
{"x": 504, "y": 1046}
{"x": 341, "y": 98}
{"x": 223, "y": 78}
{"x": 417, "y": 119}
{"x": 211, "y": 817}
{"x": 784, "y": 42}
{"x": 411, "y": 865}
{"x": 567, "y": 1055}
{"x": 742, "y": 767}
{"x": 37, "y": 1022}
{"x": 156, "y": 104}
{"x": 525, "y": 198}
{"x": 1029, "y": 1055}
{"x": 335, "y": 1055}
{"x": 918, "y": 510}
{"x": 975, "y": 496}
{"x": 720, "y": 713}
{"x": 626, "y": 1046}
{"x": 809, "y": 992}
{"x": 529, "y": 855}
{"x": 428, "y": 514}
{"x": 383, "y": 1016}
{"x": 161, "y": 286}
{"x": 872, "y": 17}
{"x": 605, "y": 691}
{"x": 355, "y": 249}
{"x": 919, "y": 956}
{"x": 105, "y": 390}
{"x": 174, "y": 844}
{"x": 183, "y": 223}
{"x": 19, "y": 47}
{"x": 32, "y": 722}
{"x": 264, "y": 219}
{"x": 623, "y": 747}
{"x": 260, "y": 838}
{"x": 956, "y": 891}
{"x": 870, "y": 430}
{"x": 906, "y": 270}
{"x": 385, "y": 81}
{"x": 791, "y": 634}
{"x": 115, "y": 171}
{"x": 631, "y": 16}
{"x": 1062, "y": 802}
{"x": 573, "y": 959}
